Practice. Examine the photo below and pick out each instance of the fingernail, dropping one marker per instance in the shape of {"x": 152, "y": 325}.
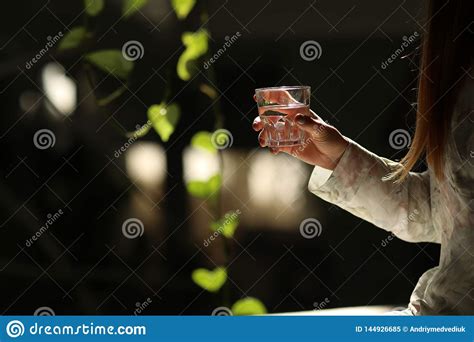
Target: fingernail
{"x": 300, "y": 119}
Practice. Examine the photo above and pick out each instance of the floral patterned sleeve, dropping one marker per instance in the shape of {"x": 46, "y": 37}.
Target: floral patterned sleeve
{"x": 357, "y": 185}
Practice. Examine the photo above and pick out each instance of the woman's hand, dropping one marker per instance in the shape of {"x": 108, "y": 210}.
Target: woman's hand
{"x": 323, "y": 145}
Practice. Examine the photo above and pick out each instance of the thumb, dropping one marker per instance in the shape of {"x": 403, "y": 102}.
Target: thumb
{"x": 311, "y": 125}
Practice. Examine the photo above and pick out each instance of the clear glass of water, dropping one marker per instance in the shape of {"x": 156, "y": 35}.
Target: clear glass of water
{"x": 277, "y": 108}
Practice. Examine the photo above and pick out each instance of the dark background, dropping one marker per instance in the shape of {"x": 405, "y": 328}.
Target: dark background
{"x": 84, "y": 265}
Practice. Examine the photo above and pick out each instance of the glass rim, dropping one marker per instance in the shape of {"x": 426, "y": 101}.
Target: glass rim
{"x": 283, "y": 88}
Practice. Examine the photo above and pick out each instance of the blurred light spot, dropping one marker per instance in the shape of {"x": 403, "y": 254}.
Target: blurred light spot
{"x": 59, "y": 89}
{"x": 199, "y": 164}
{"x": 276, "y": 180}
{"x": 30, "y": 101}
{"x": 146, "y": 163}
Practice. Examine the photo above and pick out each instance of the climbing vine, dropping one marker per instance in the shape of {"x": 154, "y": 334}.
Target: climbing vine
{"x": 163, "y": 118}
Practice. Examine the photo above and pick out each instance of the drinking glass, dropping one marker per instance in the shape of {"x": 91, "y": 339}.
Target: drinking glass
{"x": 277, "y": 108}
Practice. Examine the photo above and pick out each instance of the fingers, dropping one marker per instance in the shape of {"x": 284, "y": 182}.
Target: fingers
{"x": 285, "y": 149}
{"x": 311, "y": 125}
{"x": 276, "y": 96}
{"x": 276, "y": 149}
{"x": 257, "y": 124}
{"x": 262, "y": 138}
{"x": 273, "y": 96}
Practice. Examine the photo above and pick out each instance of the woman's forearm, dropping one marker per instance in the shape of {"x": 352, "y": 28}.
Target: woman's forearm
{"x": 357, "y": 185}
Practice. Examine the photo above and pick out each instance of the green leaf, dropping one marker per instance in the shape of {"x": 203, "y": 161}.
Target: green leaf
{"x": 203, "y": 140}
{"x": 210, "y": 281}
{"x": 111, "y": 61}
{"x": 131, "y": 6}
{"x": 164, "y": 119}
{"x": 73, "y": 38}
{"x": 248, "y": 306}
{"x": 196, "y": 44}
{"x": 93, "y": 7}
{"x": 228, "y": 224}
{"x": 204, "y": 189}
{"x": 182, "y": 7}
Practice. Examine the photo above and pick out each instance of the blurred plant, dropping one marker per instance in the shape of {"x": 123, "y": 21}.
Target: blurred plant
{"x": 197, "y": 46}
{"x": 164, "y": 118}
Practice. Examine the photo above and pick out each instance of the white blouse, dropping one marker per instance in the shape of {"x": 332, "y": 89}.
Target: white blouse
{"x": 421, "y": 209}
